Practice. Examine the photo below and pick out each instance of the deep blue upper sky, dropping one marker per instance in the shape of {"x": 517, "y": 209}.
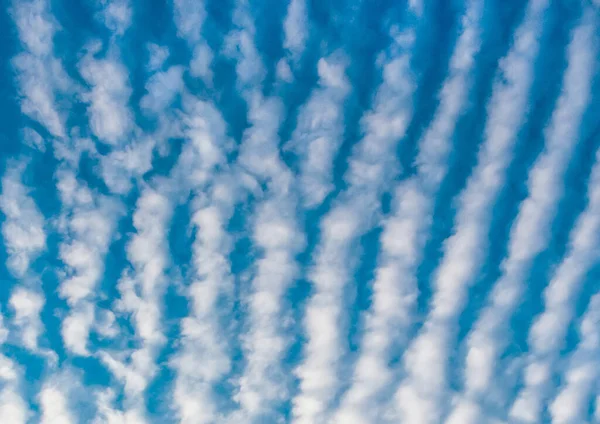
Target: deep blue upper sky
{"x": 307, "y": 212}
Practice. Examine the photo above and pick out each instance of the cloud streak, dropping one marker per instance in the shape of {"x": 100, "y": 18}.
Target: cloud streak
{"x": 405, "y": 233}
{"x": 320, "y": 129}
{"x": 508, "y": 103}
{"x": 263, "y": 385}
{"x": 528, "y": 235}
{"x": 23, "y": 228}
{"x": 423, "y": 394}
{"x": 204, "y": 357}
{"x": 13, "y": 407}
{"x": 87, "y": 224}
{"x": 295, "y": 28}
{"x": 39, "y": 74}
{"x": 108, "y": 97}
{"x": 352, "y": 214}
{"x": 571, "y": 403}
{"x": 142, "y": 287}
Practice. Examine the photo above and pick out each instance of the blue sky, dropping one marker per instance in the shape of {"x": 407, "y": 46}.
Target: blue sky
{"x": 261, "y": 211}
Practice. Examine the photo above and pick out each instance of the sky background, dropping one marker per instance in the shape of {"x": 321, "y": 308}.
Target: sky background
{"x": 307, "y": 212}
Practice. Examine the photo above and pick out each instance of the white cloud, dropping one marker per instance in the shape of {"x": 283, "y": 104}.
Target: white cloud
{"x": 13, "y": 408}
{"x": 189, "y": 16}
{"x": 105, "y": 324}
{"x": 416, "y": 6}
{"x": 371, "y": 169}
{"x": 295, "y": 28}
{"x": 33, "y": 139}
{"x": 261, "y": 383}
{"x": 25, "y": 239}
{"x": 571, "y": 404}
{"x": 162, "y": 87}
{"x": 27, "y": 305}
{"x": 121, "y": 166}
{"x": 422, "y": 394}
{"x": 91, "y": 221}
{"x": 405, "y": 234}
{"x": 54, "y": 405}
{"x": 69, "y": 150}
{"x": 23, "y": 227}
{"x": 529, "y": 234}
{"x": 320, "y": 129}
{"x": 39, "y": 75}
{"x": 142, "y": 289}
{"x": 142, "y": 286}
{"x": 9, "y": 371}
{"x": 207, "y": 145}
{"x": 201, "y": 62}
{"x": 87, "y": 224}
{"x": 76, "y": 328}
{"x": 547, "y": 335}
{"x": 106, "y": 414}
{"x": 38, "y": 92}
{"x": 3, "y": 332}
{"x": 116, "y": 15}
{"x": 112, "y": 121}
{"x": 505, "y": 116}
{"x": 203, "y": 358}
{"x": 108, "y": 97}
{"x": 201, "y": 363}
{"x": 60, "y": 397}
{"x": 257, "y": 155}
{"x": 283, "y": 71}
{"x": 36, "y": 26}
{"x": 158, "y": 56}
{"x": 239, "y": 44}
{"x": 264, "y": 384}
{"x": 134, "y": 368}
{"x": 146, "y": 253}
